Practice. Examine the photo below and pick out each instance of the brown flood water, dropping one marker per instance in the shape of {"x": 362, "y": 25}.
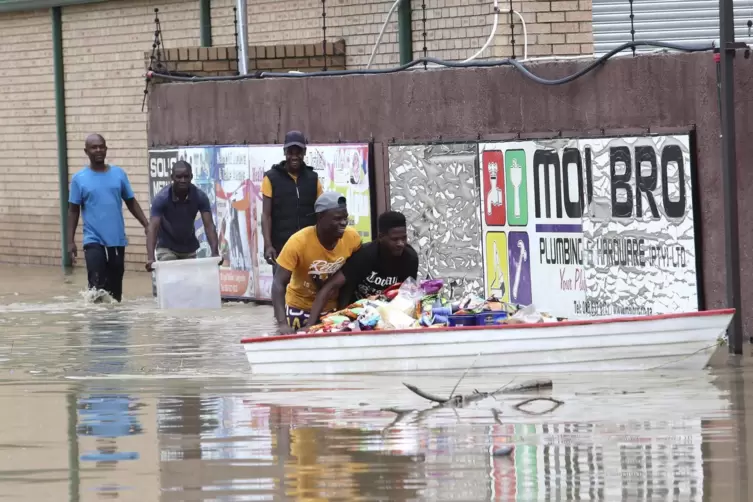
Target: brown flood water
{"x": 126, "y": 402}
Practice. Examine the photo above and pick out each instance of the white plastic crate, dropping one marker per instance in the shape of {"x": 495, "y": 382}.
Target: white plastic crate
{"x": 188, "y": 284}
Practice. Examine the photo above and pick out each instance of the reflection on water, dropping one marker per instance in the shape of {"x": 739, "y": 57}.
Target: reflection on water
{"x": 125, "y": 402}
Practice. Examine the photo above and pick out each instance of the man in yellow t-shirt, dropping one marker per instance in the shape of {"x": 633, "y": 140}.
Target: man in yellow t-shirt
{"x": 289, "y": 190}
{"x": 309, "y": 258}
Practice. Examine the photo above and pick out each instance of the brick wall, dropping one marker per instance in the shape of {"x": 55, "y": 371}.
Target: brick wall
{"x": 458, "y": 28}
{"x": 104, "y": 44}
{"x": 29, "y": 221}
{"x": 217, "y": 61}
{"x": 455, "y": 29}
{"x": 103, "y": 47}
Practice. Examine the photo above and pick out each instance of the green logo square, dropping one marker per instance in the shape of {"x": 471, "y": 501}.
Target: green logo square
{"x": 516, "y": 181}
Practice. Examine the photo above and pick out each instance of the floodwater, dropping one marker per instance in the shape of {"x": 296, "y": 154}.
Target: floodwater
{"x": 126, "y": 402}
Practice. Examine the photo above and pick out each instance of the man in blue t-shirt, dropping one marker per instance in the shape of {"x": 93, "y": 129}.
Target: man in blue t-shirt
{"x": 172, "y": 234}
{"x": 97, "y": 192}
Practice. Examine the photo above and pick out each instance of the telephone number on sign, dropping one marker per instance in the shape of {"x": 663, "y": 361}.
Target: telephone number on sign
{"x": 597, "y": 308}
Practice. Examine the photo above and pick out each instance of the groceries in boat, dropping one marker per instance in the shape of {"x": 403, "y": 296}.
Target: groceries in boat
{"x": 416, "y": 305}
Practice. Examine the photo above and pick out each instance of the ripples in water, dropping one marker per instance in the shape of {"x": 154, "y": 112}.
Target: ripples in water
{"x": 130, "y": 403}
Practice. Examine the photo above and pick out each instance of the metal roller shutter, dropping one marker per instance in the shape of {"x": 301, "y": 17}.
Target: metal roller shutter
{"x": 678, "y": 21}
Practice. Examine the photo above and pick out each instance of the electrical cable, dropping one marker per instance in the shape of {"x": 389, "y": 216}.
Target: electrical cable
{"x": 697, "y": 47}
{"x": 491, "y": 35}
{"x": 525, "y": 34}
{"x": 381, "y": 32}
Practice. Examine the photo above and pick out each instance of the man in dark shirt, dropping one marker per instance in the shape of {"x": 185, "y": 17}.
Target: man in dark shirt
{"x": 171, "y": 227}
{"x": 375, "y": 267}
{"x": 289, "y": 190}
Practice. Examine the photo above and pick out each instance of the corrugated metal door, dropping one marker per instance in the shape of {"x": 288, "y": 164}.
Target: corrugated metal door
{"x": 675, "y": 21}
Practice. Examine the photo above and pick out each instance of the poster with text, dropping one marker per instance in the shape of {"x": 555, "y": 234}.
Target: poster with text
{"x": 160, "y": 169}
{"x": 593, "y": 227}
{"x": 237, "y": 237}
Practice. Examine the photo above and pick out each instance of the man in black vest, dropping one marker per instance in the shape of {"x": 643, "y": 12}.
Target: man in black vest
{"x": 289, "y": 191}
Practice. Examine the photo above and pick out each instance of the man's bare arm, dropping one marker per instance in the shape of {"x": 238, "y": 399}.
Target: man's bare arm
{"x": 74, "y": 211}
{"x": 135, "y": 209}
{"x": 211, "y": 231}
{"x": 151, "y": 240}
{"x": 323, "y": 296}
{"x": 279, "y": 285}
{"x": 270, "y": 254}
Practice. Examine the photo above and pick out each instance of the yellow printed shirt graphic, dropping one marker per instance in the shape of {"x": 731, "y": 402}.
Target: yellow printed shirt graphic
{"x": 497, "y": 274}
{"x": 311, "y": 264}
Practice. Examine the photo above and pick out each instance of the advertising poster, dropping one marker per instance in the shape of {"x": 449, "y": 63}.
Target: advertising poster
{"x": 261, "y": 160}
{"x": 237, "y": 237}
{"x": 590, "y": 227}
{"x": 160, "y": 169}
{"x": 344, "y": 168}
{"x": 231, "y": 176}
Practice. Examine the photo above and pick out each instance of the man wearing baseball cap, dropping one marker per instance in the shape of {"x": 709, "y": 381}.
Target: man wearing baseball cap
{"x": 289, "y": 190}
{"x": 309, "y": 258}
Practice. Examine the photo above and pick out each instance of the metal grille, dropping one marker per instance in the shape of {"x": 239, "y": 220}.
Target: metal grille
{"x": 677, "y": 21}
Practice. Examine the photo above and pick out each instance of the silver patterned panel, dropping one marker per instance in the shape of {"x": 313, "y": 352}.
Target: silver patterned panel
{"x": 437, "y": 188}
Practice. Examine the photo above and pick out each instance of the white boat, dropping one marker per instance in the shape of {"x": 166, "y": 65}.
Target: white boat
{"x": 684, "y": 341}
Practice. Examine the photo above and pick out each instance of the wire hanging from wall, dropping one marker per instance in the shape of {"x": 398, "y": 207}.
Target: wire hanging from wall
{"x": 423, "y": 34}
{"x": 235, "y": 33}
{"x": 235, "y": 30}
{"x": 632, "y": 26}
{"x": 156, "y": 59}
{"x": 512, "y": 30}
{"x": 324, "y": 32}
{"x": 688, "y": 47}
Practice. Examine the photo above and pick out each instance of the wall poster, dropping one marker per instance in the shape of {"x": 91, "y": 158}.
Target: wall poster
{"x": 232, "y": 175}
{"x": 590, "y": 227}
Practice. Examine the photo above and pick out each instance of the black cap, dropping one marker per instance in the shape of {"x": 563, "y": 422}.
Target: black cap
{"x": 295, "y": 138}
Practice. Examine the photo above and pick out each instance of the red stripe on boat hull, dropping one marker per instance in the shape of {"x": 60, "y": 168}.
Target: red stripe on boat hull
{"x": 658, "y": 317}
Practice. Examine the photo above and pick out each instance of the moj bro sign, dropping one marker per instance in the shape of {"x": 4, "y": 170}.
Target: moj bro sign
{"x": 610, "y": 230}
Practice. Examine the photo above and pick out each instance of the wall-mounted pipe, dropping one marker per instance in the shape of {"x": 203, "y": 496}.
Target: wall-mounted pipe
{"x": 242, "y": 12}
{"x": 205, "y": 22}
{"x": 405, "y": 31}
{"x": 62, "y": 136}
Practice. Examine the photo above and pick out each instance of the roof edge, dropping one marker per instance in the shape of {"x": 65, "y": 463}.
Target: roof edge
{"x": 26, "y": 5}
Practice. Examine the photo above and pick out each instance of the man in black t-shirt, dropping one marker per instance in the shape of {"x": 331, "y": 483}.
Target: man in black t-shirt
{"x": 373, "y": 268}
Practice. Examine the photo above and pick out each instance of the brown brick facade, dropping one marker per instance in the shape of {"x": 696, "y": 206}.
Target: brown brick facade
{"x": 29, "y": 223}
{"x": 219, "y": 61}
{"x": 455, "y": 29}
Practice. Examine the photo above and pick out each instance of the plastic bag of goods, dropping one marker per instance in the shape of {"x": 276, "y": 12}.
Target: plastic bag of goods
{"x": 408, "y": 297}
{"x": 394, "y": 318}
{"x": 528, "y": 315}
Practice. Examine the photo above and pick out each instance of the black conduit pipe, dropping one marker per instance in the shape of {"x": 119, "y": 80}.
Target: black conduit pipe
{"x": 449, "y": 64}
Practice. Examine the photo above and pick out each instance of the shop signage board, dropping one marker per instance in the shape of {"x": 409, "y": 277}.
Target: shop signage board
{"x": 590, "y": 227}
